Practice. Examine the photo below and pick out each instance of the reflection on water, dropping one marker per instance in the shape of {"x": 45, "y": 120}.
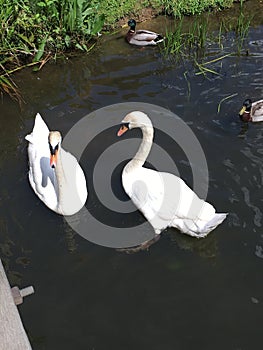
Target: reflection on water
{"x": 70, "y": 238}
{"x": 91, "y": 297}
{"x": 206, "y": 248}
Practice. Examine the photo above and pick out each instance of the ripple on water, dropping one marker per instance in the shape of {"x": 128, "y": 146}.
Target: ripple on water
{"x": 257, "y": 211}
{"x": 259, "y": 251}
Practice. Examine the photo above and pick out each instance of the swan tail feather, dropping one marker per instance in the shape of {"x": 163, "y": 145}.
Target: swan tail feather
{"x": 39, "y": 125}
{"x": 217, "y": 219}
{"x": 29, "y": 138}
{"x": 199, "y": 228}
{"x": 40, "y": 130}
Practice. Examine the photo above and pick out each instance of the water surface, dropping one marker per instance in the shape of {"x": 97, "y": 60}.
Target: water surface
{"x": 183, "y": 293}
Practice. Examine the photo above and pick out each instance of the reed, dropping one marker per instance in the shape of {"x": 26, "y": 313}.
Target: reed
{"x": 178, "y": 8}
{"x": 190, "y": 42}
{"x": 174, "y": 40}
{"x": 184, "y": 42}
{"x": 8, "y": 86}
{"x": 242, "y": 28}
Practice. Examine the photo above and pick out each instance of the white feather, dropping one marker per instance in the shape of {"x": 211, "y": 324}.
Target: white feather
{"x": 164, "y": 199}
{"x": 43, "y": 178}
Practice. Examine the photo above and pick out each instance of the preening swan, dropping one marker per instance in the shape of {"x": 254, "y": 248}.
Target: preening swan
{"x": 54, "y": 174}
{"x": 164, "y": 199}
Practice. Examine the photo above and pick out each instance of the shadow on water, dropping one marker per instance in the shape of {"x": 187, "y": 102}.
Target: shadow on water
{"x": 182, "y": 293}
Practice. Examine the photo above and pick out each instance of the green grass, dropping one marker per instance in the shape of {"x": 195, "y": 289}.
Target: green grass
{"x": 187, "y": 42}
{"x": 178, "y": 8}
{"x": 184, "y": 38}
{"x": 242, "y": 28}
{"x": 190, "y": 40}
{"x": 35, "y": 31}
{"x": 32, "y": 27}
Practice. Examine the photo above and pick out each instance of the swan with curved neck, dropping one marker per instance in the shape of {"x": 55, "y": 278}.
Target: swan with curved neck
{"x": 163, "y": 198}
{"x": 54, "y": 174}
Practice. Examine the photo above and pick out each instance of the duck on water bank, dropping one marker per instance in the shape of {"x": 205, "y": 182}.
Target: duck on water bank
{"x": 142, "y": 37}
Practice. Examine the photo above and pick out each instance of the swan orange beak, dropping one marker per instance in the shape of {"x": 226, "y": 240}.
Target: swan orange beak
{"x": 122, "y": 130}
{"x": 53, "y": 160}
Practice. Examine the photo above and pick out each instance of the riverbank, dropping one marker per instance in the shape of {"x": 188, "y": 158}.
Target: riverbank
{"x": 34, "y": 32}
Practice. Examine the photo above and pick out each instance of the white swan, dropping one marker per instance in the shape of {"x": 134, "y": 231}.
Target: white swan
{"x": 54, "y": 174}
{"x": 163, "y": 198}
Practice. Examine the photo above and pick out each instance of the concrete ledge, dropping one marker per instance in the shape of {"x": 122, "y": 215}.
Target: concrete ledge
{"x": 12, "y": 333}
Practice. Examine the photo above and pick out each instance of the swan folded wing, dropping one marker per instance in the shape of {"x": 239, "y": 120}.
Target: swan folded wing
{"x": 192, "y": 215}
{"x": 30, "y": 138}
{"x": 74, "y": 186}
{"x": 164, "y": 197}
{"x": 40, "y": 128}
{"x": 39, "y": 136}
{"x": 41, "y": 176}
{"x": 183, "y": 201}
{"x": 146, "y": 191}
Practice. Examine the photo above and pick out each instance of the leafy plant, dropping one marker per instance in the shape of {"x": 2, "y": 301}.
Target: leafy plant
{"x": 178, "y": 8}
{"x": 33, "y": 31}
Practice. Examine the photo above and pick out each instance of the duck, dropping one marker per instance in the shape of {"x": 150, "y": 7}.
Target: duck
{"x": 142, "y": 37}
{"x": 54, "y": 174}
{"x": 163, "y": 198}
{"x": 251, "y": 111}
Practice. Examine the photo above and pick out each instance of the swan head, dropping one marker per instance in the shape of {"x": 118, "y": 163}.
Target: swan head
{"x": 135, "y": 119}
{"x": 54, "y": 141}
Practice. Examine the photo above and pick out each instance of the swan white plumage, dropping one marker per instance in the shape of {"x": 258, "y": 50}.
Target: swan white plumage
{"x": 54, "y": 174}
{"x": 163, "y": 198}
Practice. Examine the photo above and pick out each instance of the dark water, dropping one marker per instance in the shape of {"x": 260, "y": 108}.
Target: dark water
{"x": 183, "y": 293}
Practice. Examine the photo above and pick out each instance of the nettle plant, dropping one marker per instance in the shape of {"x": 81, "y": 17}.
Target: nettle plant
{"x": 191, "y": 7}
{"x": 30, "y": 27}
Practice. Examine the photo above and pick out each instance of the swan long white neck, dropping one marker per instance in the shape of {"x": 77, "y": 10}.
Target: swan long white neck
{"x": 61, "y": 181}
{"x": 144, "y": 149}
